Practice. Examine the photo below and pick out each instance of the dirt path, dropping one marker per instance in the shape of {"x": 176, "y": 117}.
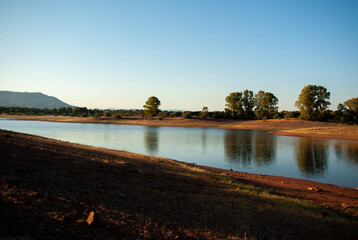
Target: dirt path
{"x": 48, "y": 189}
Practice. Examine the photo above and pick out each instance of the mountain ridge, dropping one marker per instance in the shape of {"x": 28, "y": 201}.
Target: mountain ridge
{"x": 30, "y": 100}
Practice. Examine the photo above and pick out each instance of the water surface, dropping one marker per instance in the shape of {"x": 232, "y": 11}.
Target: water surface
{"x": 323, "y": 160}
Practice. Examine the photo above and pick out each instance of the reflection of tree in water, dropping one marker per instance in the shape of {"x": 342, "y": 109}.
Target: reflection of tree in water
{"x": 311, "y": 156}
{"x": 151, "y": 140}
{"x": 238, "y": 146}
{"x": 265, "y": 149}
{"x": 204, "y": 141}
{"x": 347, "y": 151}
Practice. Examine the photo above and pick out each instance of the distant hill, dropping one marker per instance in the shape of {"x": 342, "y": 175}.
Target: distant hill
{"x": 31, "y": 100}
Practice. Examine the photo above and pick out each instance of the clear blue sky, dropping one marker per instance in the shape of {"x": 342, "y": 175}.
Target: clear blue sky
{"x": 190, "y": 54}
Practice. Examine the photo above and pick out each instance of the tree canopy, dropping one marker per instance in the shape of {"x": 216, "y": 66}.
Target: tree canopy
{"x": 240, "y": 104}
{"x": 151, "y": 107}
{"x": 313, "y": 102}
{"x": 352, "y": 105}
{"x": 248, "y": 103}
{"x": 266, "y": 105}
{"x": 234, "y": 104}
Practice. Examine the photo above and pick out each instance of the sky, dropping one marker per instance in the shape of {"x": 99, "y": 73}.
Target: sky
{"x": 188, "y": 53}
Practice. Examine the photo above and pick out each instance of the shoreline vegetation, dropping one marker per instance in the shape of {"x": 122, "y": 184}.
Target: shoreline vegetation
{"x": 49, "y": 188}
{"x": 286, "y": 127}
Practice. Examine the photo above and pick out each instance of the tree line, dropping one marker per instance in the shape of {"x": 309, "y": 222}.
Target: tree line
{"x": 312, "y": 104}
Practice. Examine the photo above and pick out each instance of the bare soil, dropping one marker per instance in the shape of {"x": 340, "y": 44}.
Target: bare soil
{"x": 49, "y": 188}
{"x": 287, "y": 127}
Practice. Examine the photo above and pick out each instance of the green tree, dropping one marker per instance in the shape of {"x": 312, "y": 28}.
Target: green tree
{"x": 265, "y": 105}
{"x": 313, "y": 102}
{"x": 352, "y": 105}
{"x": 248, "y": 104}
{"x": 341, "y": 110}
{"x": 151, "y": 107}
{"x": 107, "y": 113}
{"x": 204, "y": 112}
{"x": 234, "y": 104}
{"x": 186, "y": 114}
{"x": 97, "y": 115}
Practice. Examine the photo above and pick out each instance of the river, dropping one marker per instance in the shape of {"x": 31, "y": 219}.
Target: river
{"x": 322, "y": 160}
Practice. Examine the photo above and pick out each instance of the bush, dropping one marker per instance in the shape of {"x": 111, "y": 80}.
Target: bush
{"x": 186, "y": 115}
{"x": 107, "y": 114}
{"x": 218, "y": 114}
{"x": 97, "y": 115}
{"x": 161, "y": 115}
{"x": 84, "y": 115}
{"x": 276, "y": 116}
{"x": 289, "y": 115}
{"x": 117, "y": 116}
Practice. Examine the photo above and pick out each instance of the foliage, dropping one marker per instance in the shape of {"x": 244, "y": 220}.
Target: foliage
{"x": 162, "y": 115}
{"x": 97, "y": 115}
{"x": 205, "y": 112}
{"x": 84, "y": 115}
{"x": 313, "y": 102}
{"x": 348, "y": 110}
{"x": 174, "y": 114}
{"x": 248, "y": 103}
{"x": 265, "y": 105}
{"x": 186, "y": 115}
{"x": 117, "y": 116}
{"x": 151, "y": 107}
{"x": 352, "y": 105}
{"x": 240, "y": 104}
{"x": 219, "y": 114}
{"x": 289, "y": 115}
{"x": 107, "y": 114}
{"x": 234, "y": 104}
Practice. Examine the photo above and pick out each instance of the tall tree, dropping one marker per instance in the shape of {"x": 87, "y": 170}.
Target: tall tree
{"x": 341, "y": 110}
{"x": 352, "y": 105}
{"x": 151, "y": 107}
{"x": 234, "y": 104}
{"x": 204, "y": 112}
{"x": 248, "y": 103}
{"x": 266, "y": 105}
{"x": 313, "y": 102}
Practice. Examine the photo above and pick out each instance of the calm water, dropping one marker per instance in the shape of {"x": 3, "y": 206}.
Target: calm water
{"x": 328, "y": 161}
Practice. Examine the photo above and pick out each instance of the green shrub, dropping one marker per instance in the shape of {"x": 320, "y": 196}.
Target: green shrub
{"x": 117, "y": 116}
{"x": 186, "y": 115}
{"x": 97, "y": 115}
{"x": 84, "y": 115}
{"x": 107, "y": 114}
{"x": 161, "y": 115}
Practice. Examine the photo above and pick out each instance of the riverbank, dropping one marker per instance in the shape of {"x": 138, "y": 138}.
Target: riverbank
{"x": 286, "y": 127}
{"x": 49, "y": 187}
